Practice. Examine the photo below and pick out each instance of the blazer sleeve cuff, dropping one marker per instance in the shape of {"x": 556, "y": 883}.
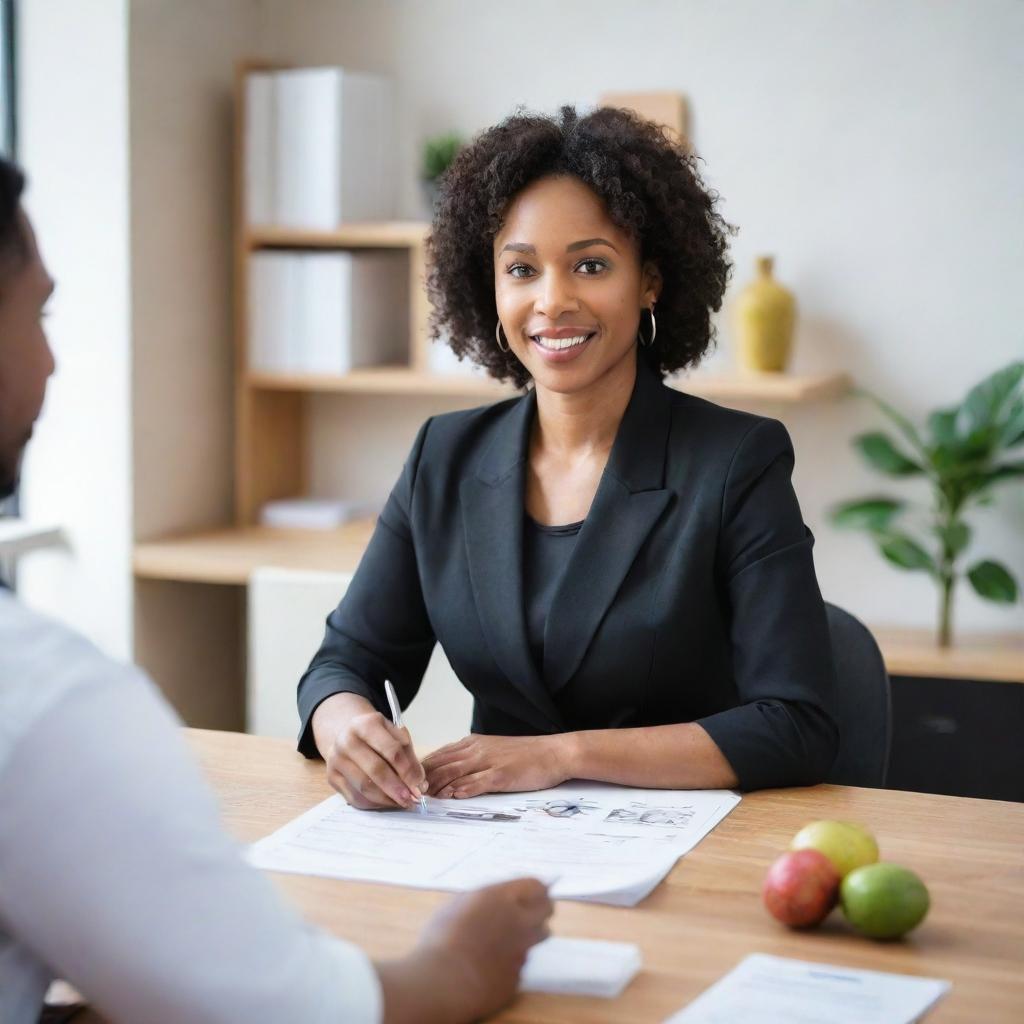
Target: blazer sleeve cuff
{"x": 315, "y": 691}
{"x": 769, "y": 744}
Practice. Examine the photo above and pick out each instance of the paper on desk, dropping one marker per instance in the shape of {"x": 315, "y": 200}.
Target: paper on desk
{"x": 603, "y": 843}
{"x": 777, "y": 990}
{"x": 580, "y": 967}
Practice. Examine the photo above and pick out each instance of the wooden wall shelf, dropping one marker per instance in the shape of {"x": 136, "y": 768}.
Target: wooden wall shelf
{"x": 229, "y": 556}
{"x": 392, "y": 234}
{"x": 789, "y": 388}
{"x": 386, "y": 380}
{"x": 400, "y": 380}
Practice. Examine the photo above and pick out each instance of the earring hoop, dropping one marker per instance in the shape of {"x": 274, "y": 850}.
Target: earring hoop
{"x": 654, "y": 331}
{"x": 497, "y": 337}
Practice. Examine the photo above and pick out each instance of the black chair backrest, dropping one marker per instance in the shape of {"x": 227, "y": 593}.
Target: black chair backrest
{"x": 863, "y": 703}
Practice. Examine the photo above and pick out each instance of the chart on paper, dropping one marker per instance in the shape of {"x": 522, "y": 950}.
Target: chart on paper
{"x": 590, "y": 841}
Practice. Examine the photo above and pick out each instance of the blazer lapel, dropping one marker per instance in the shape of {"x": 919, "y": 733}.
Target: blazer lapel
{"x": 493, "y": 511}
{"x": 629, "y": 501}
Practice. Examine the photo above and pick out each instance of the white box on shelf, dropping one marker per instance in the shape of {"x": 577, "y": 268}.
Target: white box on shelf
{"x": 327, "y": 312}
{"x": 333, "y": 155}
{"x": 273, "y": 328}
{"x": 259, "y": 146}
{"x": 324, "y": 303}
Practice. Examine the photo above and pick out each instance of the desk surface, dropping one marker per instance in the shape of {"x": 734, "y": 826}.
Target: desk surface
{"x": 707, "y": 915}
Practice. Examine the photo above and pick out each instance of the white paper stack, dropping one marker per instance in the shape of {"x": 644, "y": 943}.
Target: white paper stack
{"x": 314, "y": 513}
{"x": 318, "y": 148}
{"x": 326, "y": 312}
{"x": 580, "y": 967}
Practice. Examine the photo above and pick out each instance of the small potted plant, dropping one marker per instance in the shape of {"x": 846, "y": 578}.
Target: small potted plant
{"x": 964, "y": 453}
{"x": 438, "y": 153}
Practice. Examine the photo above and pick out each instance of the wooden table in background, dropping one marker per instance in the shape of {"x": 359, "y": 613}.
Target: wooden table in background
{"x": 707, "y": 915}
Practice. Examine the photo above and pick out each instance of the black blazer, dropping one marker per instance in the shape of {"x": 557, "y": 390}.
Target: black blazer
{"x": 690, "y": 594}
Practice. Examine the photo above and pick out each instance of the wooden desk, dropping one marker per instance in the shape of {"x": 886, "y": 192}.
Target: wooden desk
{"x": 707, "y": 915}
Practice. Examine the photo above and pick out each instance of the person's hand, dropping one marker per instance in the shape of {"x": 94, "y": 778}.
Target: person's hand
{"x": 467, "y": 963}
{"x": 370, "y": 761}
{"x": 497, "y": 764}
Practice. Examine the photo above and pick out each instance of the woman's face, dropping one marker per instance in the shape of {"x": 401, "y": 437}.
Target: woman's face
{"x": 569, "y": 285}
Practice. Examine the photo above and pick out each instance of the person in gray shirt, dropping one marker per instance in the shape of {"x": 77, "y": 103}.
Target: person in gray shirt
{"x": 115, "y": 873}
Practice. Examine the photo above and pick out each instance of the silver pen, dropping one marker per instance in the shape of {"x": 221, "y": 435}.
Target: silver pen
{"x": 396, "y": 717}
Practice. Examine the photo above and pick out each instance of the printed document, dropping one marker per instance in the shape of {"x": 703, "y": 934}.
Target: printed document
{"x": 777, "y": 990}
{"x": 588, "y": 840}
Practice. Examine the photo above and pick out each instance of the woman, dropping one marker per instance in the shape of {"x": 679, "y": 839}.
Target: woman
{"x": 618, "y": 572}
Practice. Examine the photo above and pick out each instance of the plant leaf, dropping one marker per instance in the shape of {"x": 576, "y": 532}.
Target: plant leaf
{"x": 1012, "y": 432}
{"x": 955, "y": 536}
{"x": 906, "y": 553}
{"x": 993, "y": 582}
{"x": 881, "y": 453}
{"x": 942, "y": 427}
{"x": 985, "y": 401}
{"x": 873, "y": 514}
{"x": 905, "y": 427}
{"x": 1006, "y": 471}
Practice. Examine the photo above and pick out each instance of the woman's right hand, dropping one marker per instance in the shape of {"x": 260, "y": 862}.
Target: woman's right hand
{"x": 370, "y": 761}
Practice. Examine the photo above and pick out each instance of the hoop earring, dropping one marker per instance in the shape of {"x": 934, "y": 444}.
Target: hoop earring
{"x": 497, "y": 337}
{"x": 654, "y": 331}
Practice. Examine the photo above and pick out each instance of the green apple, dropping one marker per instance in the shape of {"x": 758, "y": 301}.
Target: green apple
{"x": 848, "y": 846}
{"x": 883, "y": 901}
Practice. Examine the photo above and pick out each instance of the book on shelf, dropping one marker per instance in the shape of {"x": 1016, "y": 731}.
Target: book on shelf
{"x": 326, "y": 312}
{"x": 318, "y": 148}
{"x": 315, "y": 513}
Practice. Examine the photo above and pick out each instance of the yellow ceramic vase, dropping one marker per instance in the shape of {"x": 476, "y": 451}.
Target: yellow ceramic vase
{"x": 765, "y": 317}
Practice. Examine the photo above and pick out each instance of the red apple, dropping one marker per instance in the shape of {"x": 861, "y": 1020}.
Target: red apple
{"x": 801, "y": 887}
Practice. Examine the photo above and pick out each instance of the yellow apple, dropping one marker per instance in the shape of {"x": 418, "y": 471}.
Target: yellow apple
{"x": 848, "y": 846}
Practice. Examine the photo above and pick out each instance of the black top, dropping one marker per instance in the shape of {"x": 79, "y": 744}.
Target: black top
{"x": 690, "y": 594}
{"x": 546, "y": 551}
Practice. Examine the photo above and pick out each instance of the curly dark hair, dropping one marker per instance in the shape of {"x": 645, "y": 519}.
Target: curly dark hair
{"x": 651, "y": 188}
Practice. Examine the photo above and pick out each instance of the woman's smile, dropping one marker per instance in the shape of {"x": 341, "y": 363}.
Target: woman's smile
{"x": 560, "y": 345}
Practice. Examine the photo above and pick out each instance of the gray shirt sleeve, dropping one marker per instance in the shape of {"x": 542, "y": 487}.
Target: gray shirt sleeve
{"x": 115, "y": 872}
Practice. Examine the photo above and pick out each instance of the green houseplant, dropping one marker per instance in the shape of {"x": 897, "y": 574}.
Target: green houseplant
{"x": 964, "y": 453}
{"x": 438, "y": 153}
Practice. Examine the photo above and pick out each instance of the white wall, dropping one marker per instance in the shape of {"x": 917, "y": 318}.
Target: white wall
{"x": 181, "y": 79}
{"x": 874, "y": 147}
{"x": 73, "y": 131}
{"x": 182, "y": 57}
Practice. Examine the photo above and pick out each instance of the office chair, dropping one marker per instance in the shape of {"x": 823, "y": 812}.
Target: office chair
{"x": 863, "y": 703}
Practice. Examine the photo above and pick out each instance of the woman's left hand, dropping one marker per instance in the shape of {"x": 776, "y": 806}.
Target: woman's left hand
{"x": 496, "y": 764}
